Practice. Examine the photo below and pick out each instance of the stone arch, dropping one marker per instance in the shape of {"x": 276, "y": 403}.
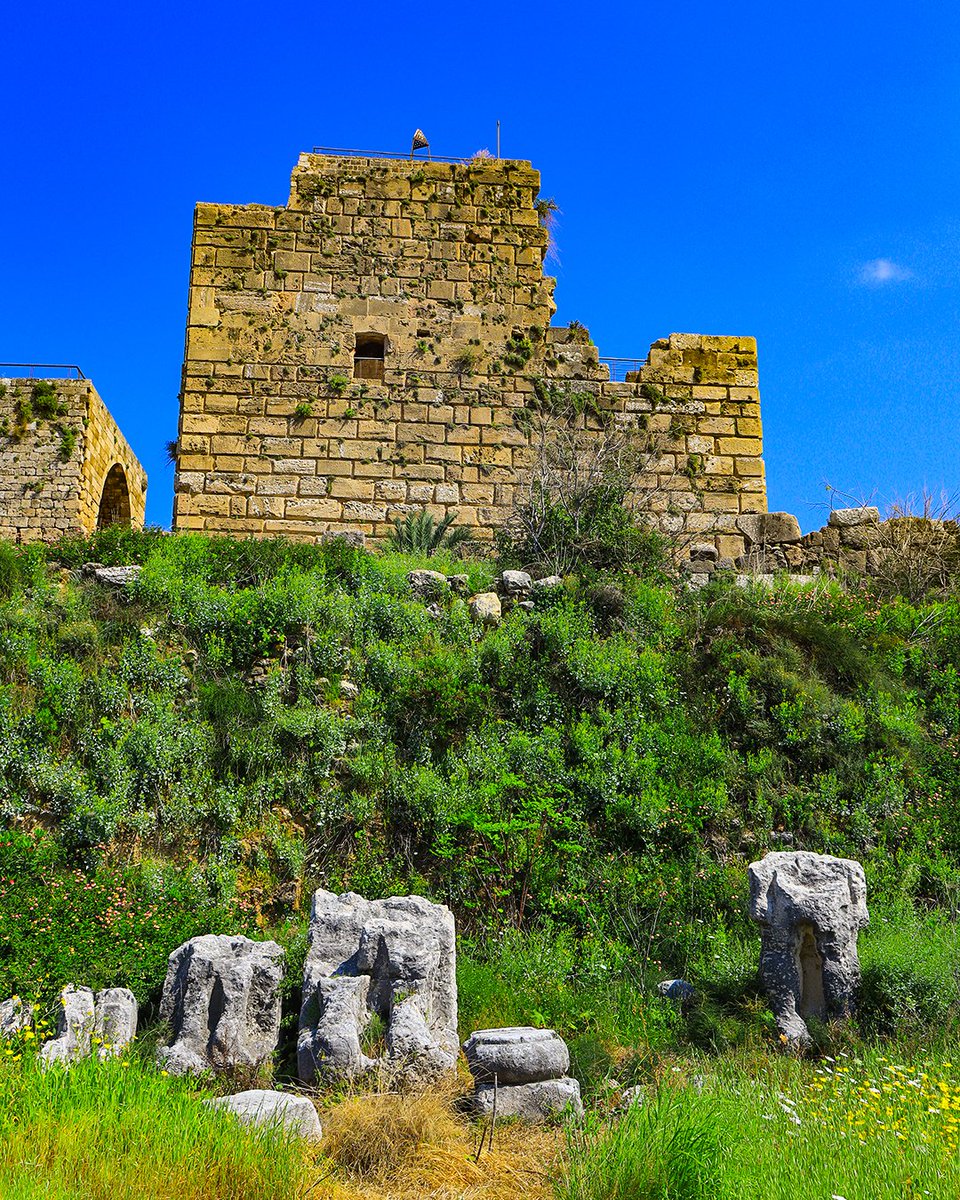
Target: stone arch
{"x": 115, "y": 499}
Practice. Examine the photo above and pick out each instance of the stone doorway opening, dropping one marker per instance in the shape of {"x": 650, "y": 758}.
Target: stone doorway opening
{"x": 115, "y": 499}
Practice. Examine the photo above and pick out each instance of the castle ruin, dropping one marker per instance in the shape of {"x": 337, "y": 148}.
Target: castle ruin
{"x": 366, "y": 351}
{"x": 65, "y": 467}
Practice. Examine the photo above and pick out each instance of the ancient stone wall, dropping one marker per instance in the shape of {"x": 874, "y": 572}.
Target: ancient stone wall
{"x": 61, "y": 456}
{"x": 366, "y": 351}
{"x": 908, "y": 554}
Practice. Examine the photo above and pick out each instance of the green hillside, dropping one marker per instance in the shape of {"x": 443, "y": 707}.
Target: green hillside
{"x": 583, "y": 785}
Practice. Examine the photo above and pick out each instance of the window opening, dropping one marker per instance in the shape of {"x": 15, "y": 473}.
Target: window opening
{"x": 369, "y": 355}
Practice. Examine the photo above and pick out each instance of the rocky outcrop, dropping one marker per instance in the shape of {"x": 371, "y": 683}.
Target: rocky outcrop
{"x": 523, "y": 1071}
{"x": 394, "y": 960}
{"x": 221, "y": 999}
{"x": 810, "y": 908}
{"x": 293, "y": 1114}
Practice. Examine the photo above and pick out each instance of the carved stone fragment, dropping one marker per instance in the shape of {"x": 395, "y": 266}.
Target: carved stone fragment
{"x": 810, "y": 908}
{"x": 221, "y": 998}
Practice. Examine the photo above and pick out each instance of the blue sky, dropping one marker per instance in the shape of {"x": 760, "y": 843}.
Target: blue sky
{"x": 782, "y": 170}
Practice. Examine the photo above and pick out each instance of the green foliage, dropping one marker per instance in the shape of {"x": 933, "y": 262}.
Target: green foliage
{"x": 420, "y": 533}
{"x": 518, "y": 350}
{"x": 596, "y": 772}
{"x": 23, "y": 410}
{"x": 911, "y": 975}
{"x": 866, "y": 1127}
{"x": 45, "y": 400}
{"x": 577, "y": 512}
{"x": 597, "y": 532}
{"x": 110, "y": 927}
{"x": 466, "y": 361}
{"x": 11, "y": 575}
{"x": 68, "y": 442}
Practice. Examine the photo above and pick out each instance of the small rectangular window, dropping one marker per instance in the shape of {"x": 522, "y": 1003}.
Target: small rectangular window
{"x": 369, "y": 355}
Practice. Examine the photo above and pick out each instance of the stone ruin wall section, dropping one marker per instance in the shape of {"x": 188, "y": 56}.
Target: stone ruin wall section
{"x": 104, "y": 446}
{"x": 53, "y": 468}
{"x": 444, "y": 263}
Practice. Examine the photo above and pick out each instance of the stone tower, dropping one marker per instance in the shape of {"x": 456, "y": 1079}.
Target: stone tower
{"x": 365, "y": 351}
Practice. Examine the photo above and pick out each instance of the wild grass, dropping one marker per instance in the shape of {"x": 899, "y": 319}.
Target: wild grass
{"x": 855, "y": 1127}
{"x": 668, "y": 1147}
{"x": 119, "y": 1129}
{"x": 122, "y": 1130}
{"x": 376, "y": 1135}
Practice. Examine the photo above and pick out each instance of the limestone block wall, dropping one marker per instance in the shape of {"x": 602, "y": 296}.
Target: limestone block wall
{"x": 363, "y": 352}
{"x": 60, "y": 452}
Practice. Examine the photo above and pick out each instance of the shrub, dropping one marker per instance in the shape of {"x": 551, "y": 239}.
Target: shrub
{"x": 580, "y": 506}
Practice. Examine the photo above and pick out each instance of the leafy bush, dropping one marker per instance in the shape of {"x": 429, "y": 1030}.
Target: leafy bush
{"x": 580, "y": 507}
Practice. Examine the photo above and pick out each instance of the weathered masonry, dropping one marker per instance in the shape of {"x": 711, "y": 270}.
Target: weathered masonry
{"x": 65, "y": 467}
{"x": 366, "y": 350}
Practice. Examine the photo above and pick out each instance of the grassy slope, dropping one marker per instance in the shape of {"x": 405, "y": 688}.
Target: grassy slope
{"x": 584, "y": 785}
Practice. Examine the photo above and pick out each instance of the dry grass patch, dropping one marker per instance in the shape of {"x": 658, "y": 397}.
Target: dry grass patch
{"x": 395, "y": 1146}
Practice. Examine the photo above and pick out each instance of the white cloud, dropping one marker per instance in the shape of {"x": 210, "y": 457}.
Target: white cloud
{"x": 880, "y": 271}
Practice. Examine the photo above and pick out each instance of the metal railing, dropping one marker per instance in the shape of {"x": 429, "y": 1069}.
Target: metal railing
{"x": 39, "y": 371}
{"x": 621, "y": 368}
{"x": 338, "y": 152}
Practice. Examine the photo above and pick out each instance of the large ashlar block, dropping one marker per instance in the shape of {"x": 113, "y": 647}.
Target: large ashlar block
{"x": 394, "y": 960}
{"x": 221, "y": 999}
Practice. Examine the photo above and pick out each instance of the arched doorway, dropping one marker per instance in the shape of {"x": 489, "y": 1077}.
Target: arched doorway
{"x": 115, "y": 500}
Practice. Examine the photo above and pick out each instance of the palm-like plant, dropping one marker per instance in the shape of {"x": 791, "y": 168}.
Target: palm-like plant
{"x": 419, "y": 533}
